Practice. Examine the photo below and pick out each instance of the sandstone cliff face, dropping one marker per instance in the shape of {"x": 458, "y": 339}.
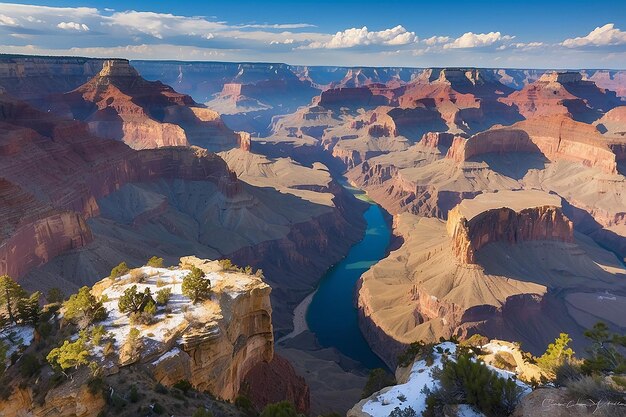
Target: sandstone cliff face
{"x": 68, "y": 171}
{"x": 554, "y": 137}
{"x": 119, "y": 104}
{"x": 72, "y": 399}
{"x": 505, "y": 225}
{"x": 215, "y": 343}
{"x": 33, "y": 77}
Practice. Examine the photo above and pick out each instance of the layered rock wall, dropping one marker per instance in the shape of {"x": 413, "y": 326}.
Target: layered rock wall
{"x": 505, "y": 225}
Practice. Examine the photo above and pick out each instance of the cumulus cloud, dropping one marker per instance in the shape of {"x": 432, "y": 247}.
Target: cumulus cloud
{"x": 7, "y": 20}
{"x": 477, "y": 40}
{"x": 364, "y": 37}
{"x": 606, "y": 35}
{"x": 81, "y": 27}
{"x": 436, "y": 40}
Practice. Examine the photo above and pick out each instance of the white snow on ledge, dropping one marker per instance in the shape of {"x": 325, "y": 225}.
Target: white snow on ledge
{"x": 410, "y": 393}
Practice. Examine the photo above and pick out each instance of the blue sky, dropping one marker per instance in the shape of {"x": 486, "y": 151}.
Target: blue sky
{"x": 548, "y": 34}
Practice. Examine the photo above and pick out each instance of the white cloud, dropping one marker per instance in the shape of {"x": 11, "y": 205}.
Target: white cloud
{"x": 435, "y": 40}
{"x": 7, "y": 20}
{"x": 477, "y": 40}
{"x": 363, "y": 37}
{"x": 601, "y": 36}
{"x": 81, "y": 27}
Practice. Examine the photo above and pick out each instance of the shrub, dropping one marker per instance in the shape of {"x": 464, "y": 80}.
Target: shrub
{"x": 55, "y": 295}
{"x": 160, "y": 283}
{"x": 377, "y": 380}
{"x": 245, "y": 404}
{"x": 604, "y": 353}
{"x": 183, "y": 385}
{"x": 413, "y": 351}
{"x": 195, "y": 286}
{"x": 592, "y": 387}
{"x": 83, "y": 308}
{"x": 95, "y": 385}
{"x": 568, "y": 370}
{"x": 119, "y": 270}
{"x": 137, "y": 276}
{"x": 466, "y": 381}
{"x": 28, "y": 310}
{"x": 160, "y": 389}
{"x": 163, "y": 296}
{"x": 202, "y": 412}
{"x": 155, "y": 262}
{"x": 133, "y": 394}
{"x": 70, "y": 354}
{"x": 556, "y": 353}
{"x": 281, "y": 409}
{"x": 157, "y": 408}
{"x": 504, "y": 360}
{"x": 29, "y": 365}
{"x": 97, "y": 332}
{"x": 226, "y": 264}
{"x": 405, "y": 412}
{"x": 133, "y": 301}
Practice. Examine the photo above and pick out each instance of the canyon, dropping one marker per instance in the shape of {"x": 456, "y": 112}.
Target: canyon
{"x": 503, "y": 189}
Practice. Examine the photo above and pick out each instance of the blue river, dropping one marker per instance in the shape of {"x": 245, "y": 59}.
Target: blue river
{"x": 332, "y": 314}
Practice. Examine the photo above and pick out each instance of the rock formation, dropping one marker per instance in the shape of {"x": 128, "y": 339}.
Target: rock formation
{"x": 563, "y": 93}
{"x": 119, "y": 104}
{"x": 497, "y": 271}
{"x": 507, "y": 216}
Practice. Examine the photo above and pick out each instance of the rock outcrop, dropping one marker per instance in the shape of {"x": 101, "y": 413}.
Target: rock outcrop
{"x": 556, "y": 137}
{"x": 119, "y": 104}
{"x": 514, "y": 289}
{"x": 507, "y": 216}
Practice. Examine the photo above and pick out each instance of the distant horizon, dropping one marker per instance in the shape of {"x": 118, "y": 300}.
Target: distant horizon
{"x": 348, "y": 33}
{"x": 2, "y": 54}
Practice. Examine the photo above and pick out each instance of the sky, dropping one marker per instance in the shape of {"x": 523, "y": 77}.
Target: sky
{"x": 530, "y": 34}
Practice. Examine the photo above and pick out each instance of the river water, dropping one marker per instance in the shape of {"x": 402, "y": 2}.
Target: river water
{"x": 332, "y": 314}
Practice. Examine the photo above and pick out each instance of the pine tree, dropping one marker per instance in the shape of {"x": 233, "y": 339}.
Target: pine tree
{"x": 28, "y": 310}
{"x": 70, "y": 354}
{"x": 119, "y": 270}
{"x": 10, "y": 294}
{"x": 133, "y": 301}
{"x": 155, "y": 262}
{"x": 196, "y": 286}
{"x": 83, "y": 308}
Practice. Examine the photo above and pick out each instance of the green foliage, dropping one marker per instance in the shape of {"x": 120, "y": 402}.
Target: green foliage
{"x": 281, "y": 409}
{"x": 157, "y": 408}
{"x": 469, "y": 382}
{"x": 28, "y": 310}
{"x": 133, "y": 301}
{"x": 160, "y": 388}
{"x": 119, "y": 270}
{"x": 202, "y": 412}
{"x": 163, "y": 296}
{"x": 83, "y": 308}
{"x": 183, "y": 385}
{"x": 55, "y": 295}
{"x": 70, "y": 354}
{"x": 556, "y": 354}
{"x": 10, "y": 295}
{"x": 133, "y": 394}
{"x": 29, "y": 365}
{"x": 377, "y": 380}
{"x": 604, "y": 352}
{"x": 405, "y": 412}
{"x": 414, "y": 350}
{"x": 155, "y": 262}
{"x": 196, "y": 286}
{"x": 97, "y": 332}
{"x": 245, "y": 404}
{"x": 95, "y": 385}
{"x": 226, "y": 264}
